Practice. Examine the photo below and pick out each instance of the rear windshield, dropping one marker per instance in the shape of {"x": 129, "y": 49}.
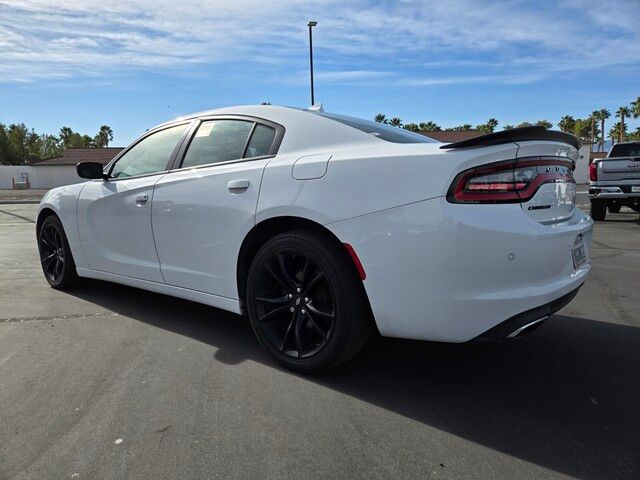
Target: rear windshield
{"x": 625, "y": 150}
{"x": 378, "y": 130}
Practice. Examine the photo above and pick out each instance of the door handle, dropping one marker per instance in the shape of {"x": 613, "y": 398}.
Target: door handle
{"x": 141, "y": 199}
{"x": 238, "y": 184}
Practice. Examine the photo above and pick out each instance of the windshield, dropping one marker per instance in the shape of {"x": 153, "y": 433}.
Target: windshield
{"x": 378, "y": 130}
{"x": 625, "y": 150}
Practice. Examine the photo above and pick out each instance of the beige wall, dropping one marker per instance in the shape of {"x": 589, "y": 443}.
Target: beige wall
{"x": 41, "y": 176}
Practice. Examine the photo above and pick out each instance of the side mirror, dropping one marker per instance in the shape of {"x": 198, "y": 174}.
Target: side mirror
{"x": 90, "y": 170}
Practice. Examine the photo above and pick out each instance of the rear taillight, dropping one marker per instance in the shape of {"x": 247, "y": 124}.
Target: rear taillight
{"x": 593, "y": 171}
{"x": 512, "y": 181}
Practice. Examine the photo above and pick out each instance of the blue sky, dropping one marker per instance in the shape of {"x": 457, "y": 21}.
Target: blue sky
{"x": 137, "y": 63}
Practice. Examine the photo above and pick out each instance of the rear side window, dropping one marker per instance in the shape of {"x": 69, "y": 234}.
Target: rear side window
{"x": 378, "y": 130}
{"x": 261, "y": 141}
{"x": 625, "y": 150}
{"x": 217, "y": 141}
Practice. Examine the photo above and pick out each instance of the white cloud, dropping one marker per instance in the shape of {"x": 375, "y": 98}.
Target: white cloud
{"x": 516, "y": 42}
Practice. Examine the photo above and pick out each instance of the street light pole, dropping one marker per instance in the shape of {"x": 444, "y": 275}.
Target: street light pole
{"x": 311, "y": 25}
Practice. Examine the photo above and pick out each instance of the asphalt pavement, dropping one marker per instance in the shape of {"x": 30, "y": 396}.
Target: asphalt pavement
{"x": 108, "y": 381}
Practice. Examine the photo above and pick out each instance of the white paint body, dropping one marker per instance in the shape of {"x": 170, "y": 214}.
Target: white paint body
{"x": 434, "y": 270}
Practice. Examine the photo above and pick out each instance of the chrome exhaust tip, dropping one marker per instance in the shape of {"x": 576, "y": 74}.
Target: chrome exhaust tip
{"x": 527, "y": 328}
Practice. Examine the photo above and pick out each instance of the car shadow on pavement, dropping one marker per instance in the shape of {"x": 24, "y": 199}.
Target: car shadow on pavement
{"x": 566, "y": 397}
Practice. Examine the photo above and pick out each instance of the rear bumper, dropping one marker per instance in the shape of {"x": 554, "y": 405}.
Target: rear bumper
{"x": 612, "y": 192}
{"x": 445, "y": 272}
{"x": 518, "y": 324}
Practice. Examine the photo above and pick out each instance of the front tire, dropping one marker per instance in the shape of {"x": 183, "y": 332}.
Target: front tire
{"x": 55, "y": 255}
{"x": 306, "y": 303}
{"x": 598, "y": 210}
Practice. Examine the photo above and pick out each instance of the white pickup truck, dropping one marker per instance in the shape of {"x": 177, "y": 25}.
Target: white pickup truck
{"x": 614, "y": 181}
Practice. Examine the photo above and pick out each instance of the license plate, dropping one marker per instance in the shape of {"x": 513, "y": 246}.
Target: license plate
{"x": 578, "y": 252}
{"x": 635, "y": 188}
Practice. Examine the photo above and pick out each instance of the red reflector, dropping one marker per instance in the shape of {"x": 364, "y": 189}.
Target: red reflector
{"x": 593, "y": 171}
{"x": 356, "y": 261}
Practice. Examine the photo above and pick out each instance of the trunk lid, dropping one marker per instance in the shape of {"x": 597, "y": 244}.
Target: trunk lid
{"x": 554, "y": 200}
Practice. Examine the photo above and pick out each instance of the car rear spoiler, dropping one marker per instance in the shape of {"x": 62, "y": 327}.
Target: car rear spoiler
{"x": 516, "y": 135}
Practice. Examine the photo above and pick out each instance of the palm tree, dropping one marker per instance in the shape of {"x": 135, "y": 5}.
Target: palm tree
{"x": 429, "y": 127}
{"x": 492, "y": 123}
{"x": 566, "y": 124}
{"x": 544, "y": 123}
{"x": 508, "y": 126}
{"x": 622, "y": 113}
{"x": 603, "y": 114}
{"x": 105, "y": 135}
{"x": 635, "y": 108}
{"x": 395, "y": 122}
{"x": 595, "y": 116}
{"x": 380, "y": 118}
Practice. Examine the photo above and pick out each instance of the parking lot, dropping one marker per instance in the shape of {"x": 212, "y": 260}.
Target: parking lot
{"x": 108, "y": 381}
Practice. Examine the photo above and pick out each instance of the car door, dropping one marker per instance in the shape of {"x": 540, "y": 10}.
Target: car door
{"x": 203, "y": 210}
{"x": 114, "y": 215}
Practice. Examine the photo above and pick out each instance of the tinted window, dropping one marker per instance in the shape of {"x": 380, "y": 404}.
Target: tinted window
{"x": 261, "y": 141}
{"x": 379, "y": 130}
{"x": 149, "y": 155}
{"x": 217, "y": 141}
{"x": 625, "y": 150}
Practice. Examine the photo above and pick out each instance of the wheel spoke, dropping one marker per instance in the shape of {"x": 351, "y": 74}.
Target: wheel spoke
{"x": 298, "y": 334}
{"x": 322, "y": 333}
{"x": 273, "y": 312}
{"x": 303, "y": 275}
{"x": 273, "y": 301}
{"x": 274, "y": 275}
{"x": 290, "y": 281}
{"x": 315, "y": 311}
{"x": 46, "y": 242}
{"x": 287, "y": 333}
{"x": 313, "y": 283}
{"x": 48, "y": 258}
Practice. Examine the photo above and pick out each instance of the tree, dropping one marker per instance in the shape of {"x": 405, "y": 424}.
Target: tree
{"x": 618, "y": 132}
{"x": 567, "y": 123}
{"x": 412, "y": 127}
{"x": 508, "y": 126}
{"x": 635, "y": 135}
{"x": 462, "y": 128}
{"x": 582, "y": 129}
{"x": 622, "y": 113}
{"x": 395, "y": 122}
{"x": 635, "y": 108}
{"x": 544, "y": 123}
{"x": 524, "y": 124}
{"x": 429, "y": 127}
{"x": 380, "y": 118}
{"x": 104, "y": 136}
{"x": 595, "y": 116}
{"x": 488, "y": 127}
{"x": 603, "y": 114}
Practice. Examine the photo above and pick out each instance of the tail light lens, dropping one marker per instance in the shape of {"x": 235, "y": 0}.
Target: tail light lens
{"x": 593, "y": 171}
{"x": 512, "y": 181}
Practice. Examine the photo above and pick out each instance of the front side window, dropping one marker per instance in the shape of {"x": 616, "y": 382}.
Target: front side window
{"x": 217, "y": 141}
{"x": 150, "y": 155}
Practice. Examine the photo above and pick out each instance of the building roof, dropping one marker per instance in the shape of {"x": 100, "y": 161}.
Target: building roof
{"x": 73, "y": 156}
{"x": 450, "y": 136}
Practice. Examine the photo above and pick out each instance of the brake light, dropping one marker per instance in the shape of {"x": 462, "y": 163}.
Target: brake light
{"x": 593, "y": 171}
{"x": 512, "y": 181}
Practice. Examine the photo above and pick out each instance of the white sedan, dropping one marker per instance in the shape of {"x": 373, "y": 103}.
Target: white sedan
{"x": 325, "y": 228}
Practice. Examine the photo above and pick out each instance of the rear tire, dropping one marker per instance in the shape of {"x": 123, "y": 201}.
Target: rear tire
{"x": 55, "y": 255}
{"x": 598, "y": 210}
{"x": 306, "y": 303}
{"x": 614, "y": 207}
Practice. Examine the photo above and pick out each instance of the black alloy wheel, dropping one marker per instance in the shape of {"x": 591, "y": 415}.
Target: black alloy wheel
{"x": 295, "y": 303}
{"x": 55, "y": 256}
{"x": 306, "y": 303}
